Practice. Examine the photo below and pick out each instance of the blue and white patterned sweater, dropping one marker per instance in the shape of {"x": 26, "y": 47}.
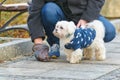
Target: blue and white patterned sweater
{"x": 82, "y": 38}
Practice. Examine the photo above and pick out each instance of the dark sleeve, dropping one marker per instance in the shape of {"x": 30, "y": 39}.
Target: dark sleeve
{"x": 34, "y": 19}
{"x": 93, "y": 10}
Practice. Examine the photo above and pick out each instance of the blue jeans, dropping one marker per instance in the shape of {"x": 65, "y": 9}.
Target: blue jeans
{"x": 50, "y": 17}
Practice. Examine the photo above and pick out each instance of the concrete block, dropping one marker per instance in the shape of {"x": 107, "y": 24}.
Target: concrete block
{"x": 16, "y": 47}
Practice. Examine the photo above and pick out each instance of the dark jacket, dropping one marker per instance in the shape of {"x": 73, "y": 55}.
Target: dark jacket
{"x": 86, "y": 9}
{"x": 81, "y": 9}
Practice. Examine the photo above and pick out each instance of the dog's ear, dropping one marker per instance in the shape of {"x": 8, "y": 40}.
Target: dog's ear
{"x": 72, "y": 23}
{"x": 57, "y": 22}
{"x": 71, "y": 26}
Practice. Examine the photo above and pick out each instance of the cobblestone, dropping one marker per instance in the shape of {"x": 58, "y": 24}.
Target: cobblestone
{"x": 113, "y": 75}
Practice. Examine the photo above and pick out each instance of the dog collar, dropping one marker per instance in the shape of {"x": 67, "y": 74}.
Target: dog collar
{"x": 68, "y": 35}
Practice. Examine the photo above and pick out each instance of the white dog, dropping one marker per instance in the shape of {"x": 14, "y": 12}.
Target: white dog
{"x": 64, "y": 30}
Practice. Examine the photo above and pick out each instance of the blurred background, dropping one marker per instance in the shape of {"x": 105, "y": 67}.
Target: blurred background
{"x": 110, "y": 10}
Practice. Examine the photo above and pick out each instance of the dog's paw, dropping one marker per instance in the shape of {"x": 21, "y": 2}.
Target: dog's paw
{"x": 76, "y": 56}
{"x": 101, "y": 58}
{"x": 100, "y": 54}
{"x": 68, "y": 58}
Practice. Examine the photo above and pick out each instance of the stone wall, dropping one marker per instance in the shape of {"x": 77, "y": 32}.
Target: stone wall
{"x": 111, "y": 9}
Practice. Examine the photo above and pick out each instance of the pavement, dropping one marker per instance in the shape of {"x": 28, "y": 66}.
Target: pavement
{"x": 28, "y": 68}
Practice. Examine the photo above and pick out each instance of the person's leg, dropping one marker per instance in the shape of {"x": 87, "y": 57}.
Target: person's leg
{"x": 50, "y": 14}
{"x": 110, "y": 31}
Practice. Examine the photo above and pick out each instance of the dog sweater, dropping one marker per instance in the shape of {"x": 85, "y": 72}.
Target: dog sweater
{"x": 82, "y": 38}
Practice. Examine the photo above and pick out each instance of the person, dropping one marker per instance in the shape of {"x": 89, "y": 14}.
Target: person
{"x": 43, "y": 15}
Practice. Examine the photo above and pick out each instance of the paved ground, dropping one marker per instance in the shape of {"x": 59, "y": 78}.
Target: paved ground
{"x": 28, "y": 68}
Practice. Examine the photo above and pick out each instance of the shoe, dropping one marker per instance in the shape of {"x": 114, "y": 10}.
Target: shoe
{"x": 54, "y": 51}
{"x": 41, "y": 52}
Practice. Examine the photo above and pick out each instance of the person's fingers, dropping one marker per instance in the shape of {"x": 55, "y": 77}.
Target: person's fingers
{"x": 79, "y": 24}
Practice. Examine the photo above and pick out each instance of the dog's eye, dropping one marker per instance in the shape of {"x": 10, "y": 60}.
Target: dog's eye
{"x": 61, "y": 27}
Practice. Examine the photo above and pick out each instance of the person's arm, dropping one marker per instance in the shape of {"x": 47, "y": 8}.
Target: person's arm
{"x": 93, "y": 10}
{"x": 34, "y": 19}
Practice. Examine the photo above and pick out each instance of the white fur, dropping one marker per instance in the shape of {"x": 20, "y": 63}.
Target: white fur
{"x": 97, "y": 48}
{"x": 64, "y": 30}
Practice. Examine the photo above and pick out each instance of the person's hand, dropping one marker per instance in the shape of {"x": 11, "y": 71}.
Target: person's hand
{"x": 81, "y": 22}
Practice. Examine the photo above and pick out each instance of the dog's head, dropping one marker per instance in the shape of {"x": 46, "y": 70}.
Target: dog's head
{"x": 64, "y": 28}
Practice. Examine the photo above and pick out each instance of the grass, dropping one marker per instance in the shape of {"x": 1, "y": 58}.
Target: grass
{"x": 22, "y": 19}
{"x": 4, "y": 41}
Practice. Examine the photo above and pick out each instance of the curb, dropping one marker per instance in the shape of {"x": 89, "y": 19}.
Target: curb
{"x": 16, "y": 47}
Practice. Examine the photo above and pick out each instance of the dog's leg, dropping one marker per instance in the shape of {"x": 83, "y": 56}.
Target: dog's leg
{"x": 88, "y": 54}
{"x": 68, "y": 53}
{"x": 100, "y": 52}
{"x": 68, "y": 56}
{"x": 76, "y": 56}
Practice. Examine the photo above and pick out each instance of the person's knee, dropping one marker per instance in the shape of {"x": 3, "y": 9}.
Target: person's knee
{"x": 110, "y": 34}
{"x": 48, "y": 7}
{"x": 110, "y": 31}
{"x": 49, "y": 12}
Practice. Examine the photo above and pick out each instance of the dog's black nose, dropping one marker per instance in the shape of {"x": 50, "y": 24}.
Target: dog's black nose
{"x": 56, "y": 30}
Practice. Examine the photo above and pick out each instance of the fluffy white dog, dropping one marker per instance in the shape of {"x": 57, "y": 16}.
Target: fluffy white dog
{"x": 65, "y": 30}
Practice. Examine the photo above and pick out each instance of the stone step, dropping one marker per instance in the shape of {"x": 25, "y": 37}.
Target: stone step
{"x": 14, "y": 48}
